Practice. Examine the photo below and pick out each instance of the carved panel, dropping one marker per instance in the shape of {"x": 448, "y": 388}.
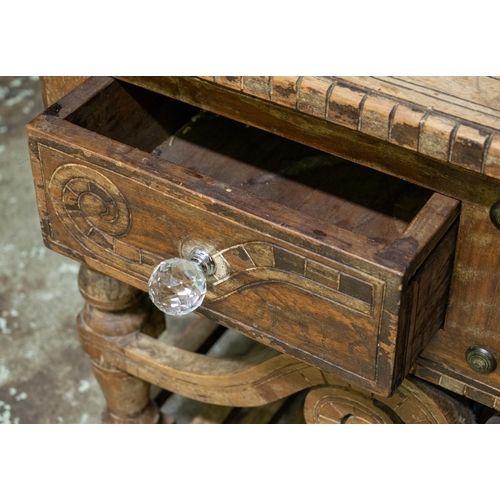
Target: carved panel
{"x": 90, "y": 203}
{"x": 414, "y": 402}
{"x": 257, "y": 262}
{"x": 97, "y": 214}
{"x": 454, "y": 119}
{"x": 93, "y": 210}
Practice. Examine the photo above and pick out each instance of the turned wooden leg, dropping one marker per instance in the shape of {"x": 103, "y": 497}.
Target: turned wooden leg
{"x": 115, "y": 309}
{"x": 414, "y": 402}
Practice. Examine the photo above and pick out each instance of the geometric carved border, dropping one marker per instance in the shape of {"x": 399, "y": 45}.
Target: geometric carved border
{"x": 257, "y": 258}
{"x": 462, "y": 132}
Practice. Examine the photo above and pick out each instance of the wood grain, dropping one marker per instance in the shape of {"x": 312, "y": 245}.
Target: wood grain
{"x": 444, "y": 374}
{"x": 55, "y": 87}
{"x": 129, "y": 204}
{"x": 465, "y": 165}
{"x": 474, "y": 308}
{"x": 441, "y": 133}
{"x": 295, "y": 176}
{"x": 259, "y": 378}
{"x": 473, "y": 313}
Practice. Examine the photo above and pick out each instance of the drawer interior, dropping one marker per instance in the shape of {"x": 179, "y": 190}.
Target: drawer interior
{"x": 268, "y": 166}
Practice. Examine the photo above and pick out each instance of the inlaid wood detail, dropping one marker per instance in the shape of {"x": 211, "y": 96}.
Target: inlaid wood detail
{"x": 454, "y": 119}
{"x": 247, "y": 267}
{"x": 445, "y": 124}
{"x": 94, "y": 211}
{"x": 456, "y": 382}
{"x": 97, "y": 214}
{"x": 100, "y": 219}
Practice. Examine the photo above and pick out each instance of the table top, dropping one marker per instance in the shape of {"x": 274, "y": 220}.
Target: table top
{"x": 452, "y": 119}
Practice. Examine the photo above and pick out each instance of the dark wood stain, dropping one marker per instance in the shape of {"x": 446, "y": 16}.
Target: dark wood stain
{"x": 289, "y": 261}
{"x": 355, "y": 288}
{"x": 285, "y": 92}
{"x": 345, "y": 114}
{"x": 53, "y": 110}
{"x": 467, "y": 152}
{"x": 405, "y": 134}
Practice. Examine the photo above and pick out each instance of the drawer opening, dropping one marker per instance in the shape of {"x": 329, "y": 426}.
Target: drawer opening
{"x": 295, "y": 176}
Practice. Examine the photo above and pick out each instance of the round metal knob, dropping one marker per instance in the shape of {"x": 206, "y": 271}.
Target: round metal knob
{"x": 480, "y": 360}
{"x": 178, "y": 286}
{"x": 495, "y": 214}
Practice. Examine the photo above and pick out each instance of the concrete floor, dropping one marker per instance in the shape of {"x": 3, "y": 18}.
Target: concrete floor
{"x": 44, "y": 375}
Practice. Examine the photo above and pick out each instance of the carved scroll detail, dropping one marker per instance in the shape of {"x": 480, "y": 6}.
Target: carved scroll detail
{"x": 96, "y": 213}
{"x": 414, "y": 402}
{"x": 87, "y": 202}
{"x": 255, "y": 263}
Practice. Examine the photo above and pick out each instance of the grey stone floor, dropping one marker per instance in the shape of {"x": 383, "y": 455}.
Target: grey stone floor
{"x": 44, "y": 376}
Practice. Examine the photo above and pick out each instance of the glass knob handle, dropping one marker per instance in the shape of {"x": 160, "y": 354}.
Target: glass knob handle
{"x": 178, "y": 286}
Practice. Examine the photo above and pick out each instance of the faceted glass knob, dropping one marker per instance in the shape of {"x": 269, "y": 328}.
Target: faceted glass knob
{"x": 178, "y": 286}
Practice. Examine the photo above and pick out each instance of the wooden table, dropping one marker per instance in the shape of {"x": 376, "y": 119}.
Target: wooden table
{"x": 442, "y": 134}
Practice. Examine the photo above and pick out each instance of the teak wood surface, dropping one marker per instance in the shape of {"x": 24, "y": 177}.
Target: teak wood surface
{"x": 357, "y": 291}
{"x": 438, "y": 133}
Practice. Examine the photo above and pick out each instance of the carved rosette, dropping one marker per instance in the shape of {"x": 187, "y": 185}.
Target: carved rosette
{"x": 342, "y": 406}
{"x": 90, "y": 205}
{"x": 414, "y": 402}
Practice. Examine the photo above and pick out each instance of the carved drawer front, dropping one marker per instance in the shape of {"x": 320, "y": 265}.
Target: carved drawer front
{"x": 338, "y": 265}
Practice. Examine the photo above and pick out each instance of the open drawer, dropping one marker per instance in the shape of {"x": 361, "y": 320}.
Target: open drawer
{"x": 343, "y": 267}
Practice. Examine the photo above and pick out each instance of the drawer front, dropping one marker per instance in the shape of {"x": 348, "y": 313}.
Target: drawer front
{"x": 272, "y": 288}
{"x": 344, "y": 305}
